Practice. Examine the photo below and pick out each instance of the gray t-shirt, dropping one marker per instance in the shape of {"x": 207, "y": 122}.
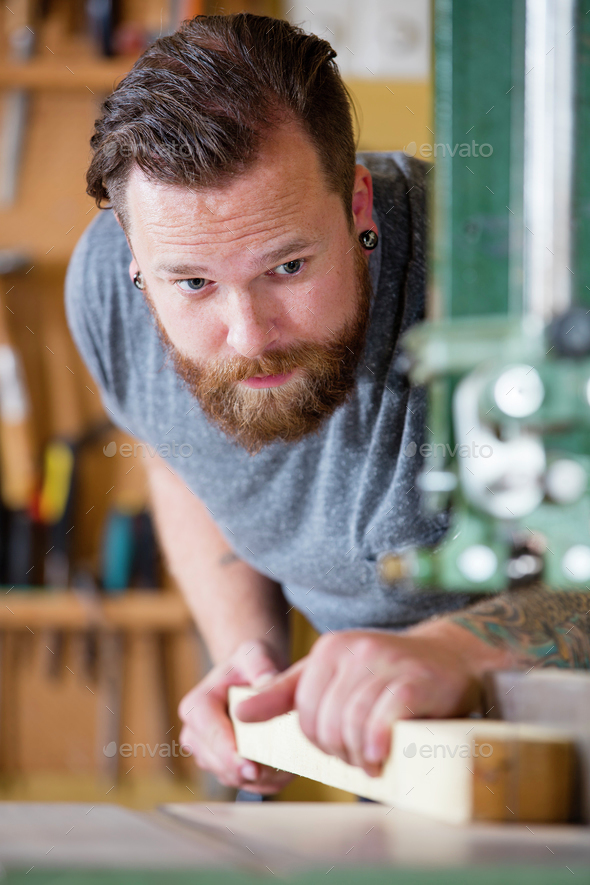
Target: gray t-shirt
{"x": 315, "y": 514}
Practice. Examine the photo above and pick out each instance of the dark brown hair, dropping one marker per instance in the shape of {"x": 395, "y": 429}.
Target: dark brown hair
{"x": 194, "y": 108}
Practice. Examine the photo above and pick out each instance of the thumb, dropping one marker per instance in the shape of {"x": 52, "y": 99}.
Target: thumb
{"x": 274, "y": 699}
{"x": 257, "y": 665}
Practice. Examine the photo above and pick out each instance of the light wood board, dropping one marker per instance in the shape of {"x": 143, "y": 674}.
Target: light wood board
{"x": 455, "y": 770}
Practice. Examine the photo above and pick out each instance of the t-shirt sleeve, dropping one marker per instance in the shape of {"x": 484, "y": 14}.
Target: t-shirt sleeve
{"x": 89, "y": 295}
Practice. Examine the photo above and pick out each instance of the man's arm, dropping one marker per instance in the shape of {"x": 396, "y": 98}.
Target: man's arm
{"x": 230, "y": 601}
{"x": 540, "y": 626}
{"x": 241, "y": 615}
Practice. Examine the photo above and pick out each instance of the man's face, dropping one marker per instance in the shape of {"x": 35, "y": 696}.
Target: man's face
{"x": 259, "y": 288}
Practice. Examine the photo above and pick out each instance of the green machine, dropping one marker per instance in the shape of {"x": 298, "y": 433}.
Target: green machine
{"x": 505, "y": 352}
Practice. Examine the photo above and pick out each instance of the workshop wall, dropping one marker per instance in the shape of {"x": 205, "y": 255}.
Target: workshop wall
{"x": 96, "y": 645}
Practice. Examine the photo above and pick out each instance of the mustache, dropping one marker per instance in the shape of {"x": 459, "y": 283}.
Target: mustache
{"x": 304, "y": 355}
{"x": 309, "y": 356}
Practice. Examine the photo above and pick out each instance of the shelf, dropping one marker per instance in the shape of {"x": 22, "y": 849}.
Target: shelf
{"x": 66, "y": 74}
{"x": 134, "y": 610}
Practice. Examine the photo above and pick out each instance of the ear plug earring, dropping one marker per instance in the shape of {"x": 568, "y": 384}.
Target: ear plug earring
{"x": 138, "y": 280}
{"x": 369, "y": 239}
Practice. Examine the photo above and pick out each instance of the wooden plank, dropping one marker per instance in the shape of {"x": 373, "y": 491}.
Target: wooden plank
{"x": 144, "y": 722}
{"x": 55, "y": 711}
{"x": 10, "y": 733}
{"x": 549, "y": 696}
{"x": 149, "y": 610}
{"x": 183, "y": 655}
{"x": 135, "y": 611}
{"x": 456, "y": 770}
{"x": 65, "y": 75}
{"x": 109, "y": 697}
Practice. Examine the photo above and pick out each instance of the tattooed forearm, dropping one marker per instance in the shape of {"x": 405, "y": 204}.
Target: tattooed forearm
{"x": 228, "y": 558}
{"x": 548, "y": 628}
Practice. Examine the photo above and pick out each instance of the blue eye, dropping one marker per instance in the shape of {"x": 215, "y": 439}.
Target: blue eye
{"x": 290, "y": 267}
{"x": 193, "y": 285}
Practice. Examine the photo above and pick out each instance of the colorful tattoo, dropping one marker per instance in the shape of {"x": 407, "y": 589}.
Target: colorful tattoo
{"x": 550, "y": 628}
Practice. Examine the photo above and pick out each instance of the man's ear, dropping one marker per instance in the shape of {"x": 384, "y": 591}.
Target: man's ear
{"x": 133, "y": 265}
{"x": 124, "y": 231}
{"x": 362, "y": 200}
{"x": 119, "y": 221}
{"x": 133, "y": 268}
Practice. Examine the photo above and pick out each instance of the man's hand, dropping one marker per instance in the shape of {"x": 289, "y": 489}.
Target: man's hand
{"x": 208, "y": 730}
{"x": 353, "y": 685}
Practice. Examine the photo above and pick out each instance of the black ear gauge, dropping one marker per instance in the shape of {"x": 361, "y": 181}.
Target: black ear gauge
{"x": 138, "y": 280}
{"x": 369, "y": 239}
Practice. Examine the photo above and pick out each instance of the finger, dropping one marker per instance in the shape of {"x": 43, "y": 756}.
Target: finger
{"x": 355, "y": 716}
{"x": 274, "y": 699}
{"x": 269, "y": 785}
{"x": 242, "y": 774}
{"x": 267, "y": 781}
{"x": 219, "y": 758}
{"x": 255, "y": 663}
{"x": 272, "y": 777}
{"x": 212, "y": 731}
{"x": 210, "y": 692}
{"x": 315, "y": 678}
{"x": 402, "y": 699}
{"x": 187, "y": 704}
{"x": 228, "y": 767}
{"x": 329, "y": 719}
{"x": 207, "y": 709}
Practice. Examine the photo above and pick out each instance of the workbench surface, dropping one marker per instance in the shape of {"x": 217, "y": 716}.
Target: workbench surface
{"x": 249, "y": 842}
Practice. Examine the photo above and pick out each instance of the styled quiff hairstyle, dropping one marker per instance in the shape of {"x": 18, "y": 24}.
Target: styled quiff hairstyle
{"x": 196, "y": 105}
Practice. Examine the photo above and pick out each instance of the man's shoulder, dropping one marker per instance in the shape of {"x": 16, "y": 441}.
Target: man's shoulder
{"x": 100, "y": 254}
{"x": 96, "y": 273}
{"x": 399, "y": 195}
{"x": 391, "y": 168}
{"x": 399, "y": 200}
{"x": 104, "y": 317}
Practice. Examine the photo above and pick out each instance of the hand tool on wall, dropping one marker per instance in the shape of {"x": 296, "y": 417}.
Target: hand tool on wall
{"x": 55, "y": 510}
{"x": 102, "y": 17}
{"x": 21, "y": 23}
{"x": 117, "y": 552}
{"x": 18, "y": 468}
{"x": 145, "y": 560}
{"x": 129, "y": 552}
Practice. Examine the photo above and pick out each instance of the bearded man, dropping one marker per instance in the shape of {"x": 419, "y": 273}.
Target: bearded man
{"x": 245, "y": 297}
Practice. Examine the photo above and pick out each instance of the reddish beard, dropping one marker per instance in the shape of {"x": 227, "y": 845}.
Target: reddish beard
{"x": 256, "y": 417}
